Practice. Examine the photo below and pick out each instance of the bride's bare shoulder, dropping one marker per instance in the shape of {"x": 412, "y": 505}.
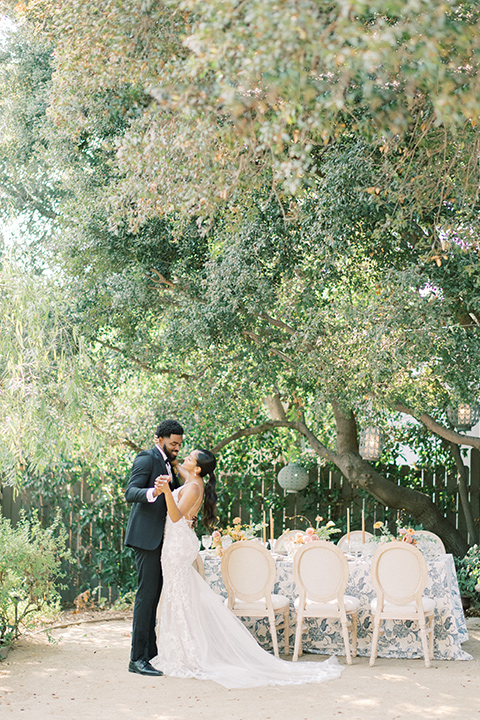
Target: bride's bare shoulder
{"x": 191, "y": 490}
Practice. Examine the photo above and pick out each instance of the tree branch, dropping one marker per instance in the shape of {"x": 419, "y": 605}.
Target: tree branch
{"x": 257, "y": 339}
{"x": 277, "y": 323}
{"x": 283, "y": 326}
{"x": 175, "y": 286}
{"x": 127, "y": 441}
{"x": 134, "y": 359}
{"x": 22, "y": 194}
{"x": 163, "y": 279}
{"x": 446, "y": 433}
{"x": 272, "y": 424}
{"x": 144, "y": 365}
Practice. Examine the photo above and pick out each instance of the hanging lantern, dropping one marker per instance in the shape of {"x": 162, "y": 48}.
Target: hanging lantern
{"x": 293, "y": 478}
{"x": 465, "y": 416}
{"x": 371, "y": 443}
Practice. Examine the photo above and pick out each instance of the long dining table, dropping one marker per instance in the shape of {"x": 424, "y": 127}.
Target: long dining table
{"x": 399, "y": 639}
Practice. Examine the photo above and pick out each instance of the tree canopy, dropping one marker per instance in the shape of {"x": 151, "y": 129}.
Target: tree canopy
{"x": 259, "y": 205}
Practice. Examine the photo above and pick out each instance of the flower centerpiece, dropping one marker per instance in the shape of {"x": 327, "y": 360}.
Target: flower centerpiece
{"x": 409, "y": 535}
{"x": 404, "y": 534}
{"x": 319, "y": 532}
{"x": 385, "y": 534}
{"x": 235, "y": 532}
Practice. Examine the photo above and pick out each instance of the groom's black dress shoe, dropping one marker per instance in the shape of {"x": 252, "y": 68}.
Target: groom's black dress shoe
{"x": 143, "y": 667}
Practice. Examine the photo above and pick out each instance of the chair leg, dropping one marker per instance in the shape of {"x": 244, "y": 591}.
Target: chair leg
{"x": 273, "y": 631}
{"x": 431, "y": 631}
{"x": 354, "y": 633}
{"x": 346, "y": 641}
{"x": 426, "y": 649}
{"x": 376, "y": 632}
{"x": 297, "y": 650}
{"x": 286, "y": 622}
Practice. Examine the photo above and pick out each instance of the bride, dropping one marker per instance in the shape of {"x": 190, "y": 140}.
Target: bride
{"x": 199, "y": 637}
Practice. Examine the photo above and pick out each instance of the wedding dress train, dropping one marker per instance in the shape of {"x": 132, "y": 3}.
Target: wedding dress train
{"x": 200, "y": 638}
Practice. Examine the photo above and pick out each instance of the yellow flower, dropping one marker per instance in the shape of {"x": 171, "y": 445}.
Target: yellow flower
{"x": 237, "y": 521}
{"x": 378, "y": 525}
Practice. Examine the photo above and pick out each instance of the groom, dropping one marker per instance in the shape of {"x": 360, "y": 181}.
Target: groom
{"x": 145, "y": 535}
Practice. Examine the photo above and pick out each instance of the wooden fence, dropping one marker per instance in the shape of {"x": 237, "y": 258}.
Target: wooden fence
{"x": 96, "y": 541}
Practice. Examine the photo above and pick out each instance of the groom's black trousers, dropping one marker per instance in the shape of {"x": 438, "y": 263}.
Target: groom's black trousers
{"x": 149, "y": 570}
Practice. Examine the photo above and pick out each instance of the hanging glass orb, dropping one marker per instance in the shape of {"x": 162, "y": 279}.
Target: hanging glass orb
{"x": 293, "y": 478}
{"x": 371, "y": 443}
{"x": 465, "y": 416}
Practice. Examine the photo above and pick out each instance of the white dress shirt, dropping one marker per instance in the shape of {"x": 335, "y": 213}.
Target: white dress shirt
{"x": 150, "y": 496}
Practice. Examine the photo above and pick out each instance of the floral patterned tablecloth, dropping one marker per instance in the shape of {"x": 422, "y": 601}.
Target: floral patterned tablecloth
{"x": 400, "y": 640}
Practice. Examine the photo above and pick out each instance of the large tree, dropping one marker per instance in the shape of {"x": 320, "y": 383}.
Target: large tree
{"x": 333, "y": 151}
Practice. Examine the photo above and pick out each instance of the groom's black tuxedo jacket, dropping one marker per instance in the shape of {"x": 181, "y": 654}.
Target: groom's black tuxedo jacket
{"x": 147, "y": 519}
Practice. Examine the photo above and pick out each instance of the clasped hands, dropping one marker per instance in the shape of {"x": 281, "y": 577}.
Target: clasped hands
{"x": 161, "y": 484}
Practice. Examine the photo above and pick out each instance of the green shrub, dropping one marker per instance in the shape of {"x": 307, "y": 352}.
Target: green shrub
{"x": 30, "y": 569}
{"x": 468, "y": 571}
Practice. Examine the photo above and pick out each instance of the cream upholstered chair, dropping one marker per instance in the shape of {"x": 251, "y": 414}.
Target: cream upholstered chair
{"x": 399, "y": 576}
{"x": 279, "y": 544}
{"x": 320, "y": 571}
{"x": 432, "y": 540}
{"x": 199, "y": 566}
{"x": 248, "y": 571}
{"x": 355, "y": 536}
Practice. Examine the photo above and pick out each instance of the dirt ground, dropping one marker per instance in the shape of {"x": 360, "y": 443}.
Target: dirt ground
{"x": 81, "y": 673}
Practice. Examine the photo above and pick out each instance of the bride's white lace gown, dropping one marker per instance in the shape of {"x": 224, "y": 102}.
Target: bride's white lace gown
{"x": 199, "y": 637}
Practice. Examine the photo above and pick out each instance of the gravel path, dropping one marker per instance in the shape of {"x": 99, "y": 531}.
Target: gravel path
{"x": 83, "y": 674}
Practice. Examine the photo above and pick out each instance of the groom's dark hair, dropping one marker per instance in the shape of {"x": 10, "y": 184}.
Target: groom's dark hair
{"x": 167, "y": 428}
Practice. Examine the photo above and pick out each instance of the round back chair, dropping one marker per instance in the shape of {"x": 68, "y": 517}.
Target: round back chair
{"x": 432, "y": 541}
{"x": 399, "y": 572}
{"x": 248, "y": 571}
{"x": 355, "y": 536}
{"x": 399, "y": 577}
{"x": 279, "y": 545}
{"x": 321, "y": 570}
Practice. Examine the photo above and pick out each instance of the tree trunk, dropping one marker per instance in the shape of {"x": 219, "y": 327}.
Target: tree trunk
{"x": 463, "y": 491}
{"x": 361, "y": 474}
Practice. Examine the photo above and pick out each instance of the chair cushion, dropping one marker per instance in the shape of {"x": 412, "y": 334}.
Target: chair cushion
{"x": 428, "y": 605}
{"x": 279, "y": 602}
{"x": 351, "y": 605}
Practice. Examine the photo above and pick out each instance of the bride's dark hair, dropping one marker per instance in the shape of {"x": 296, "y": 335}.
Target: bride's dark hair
{"x": 207, "y": 463}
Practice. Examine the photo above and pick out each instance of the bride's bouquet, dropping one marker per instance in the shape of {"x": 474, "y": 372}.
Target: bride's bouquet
{"x": 236, "y": 532}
